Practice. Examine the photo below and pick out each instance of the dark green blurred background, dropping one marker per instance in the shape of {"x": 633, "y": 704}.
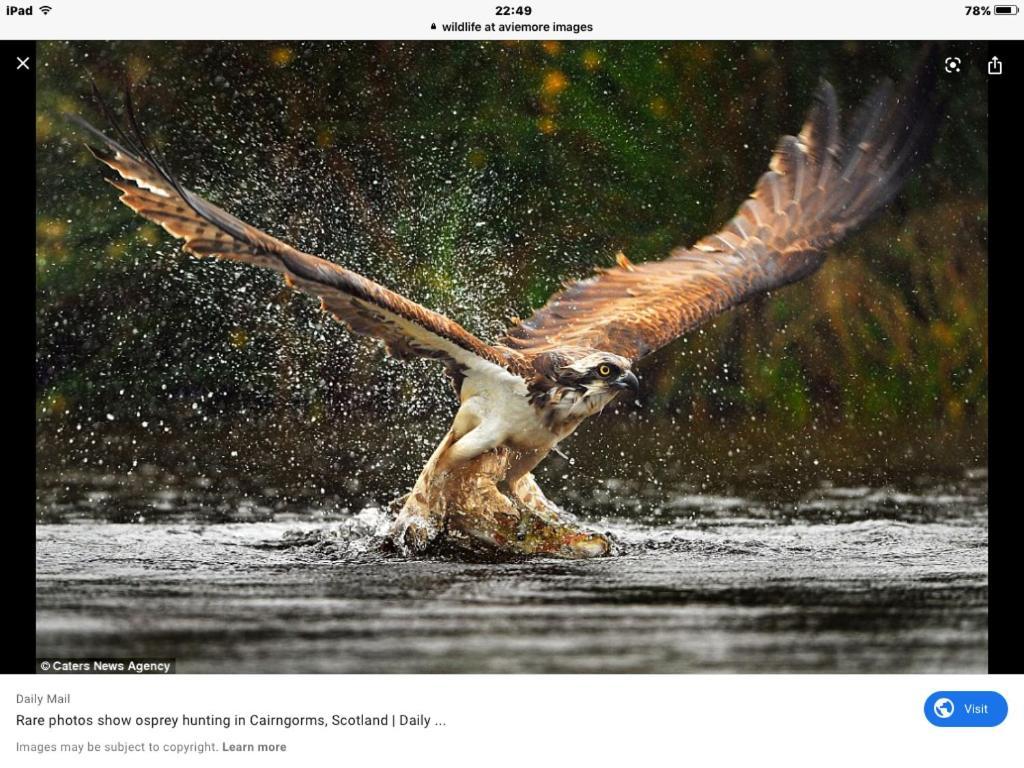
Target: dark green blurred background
{"x": 474, "y": 178}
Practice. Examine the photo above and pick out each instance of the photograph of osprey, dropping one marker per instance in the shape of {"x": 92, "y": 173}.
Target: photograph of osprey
{"x": 724, "y": 302}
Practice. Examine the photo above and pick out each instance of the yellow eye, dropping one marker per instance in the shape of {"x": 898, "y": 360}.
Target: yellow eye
{"x": 604, "y": 369}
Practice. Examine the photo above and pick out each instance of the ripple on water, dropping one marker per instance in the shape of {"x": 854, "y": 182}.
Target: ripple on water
{"x": 842, "y": 579}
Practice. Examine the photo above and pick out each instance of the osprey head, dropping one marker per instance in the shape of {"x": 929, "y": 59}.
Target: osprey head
{"x": 579, "y": 381}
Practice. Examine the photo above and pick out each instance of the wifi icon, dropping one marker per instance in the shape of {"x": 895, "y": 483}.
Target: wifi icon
{"x": 45, "y": 9}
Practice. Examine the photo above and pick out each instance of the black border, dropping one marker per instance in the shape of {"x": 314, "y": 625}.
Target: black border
{"x": 19, "y": 340}
{"x": 1004, "y": 154}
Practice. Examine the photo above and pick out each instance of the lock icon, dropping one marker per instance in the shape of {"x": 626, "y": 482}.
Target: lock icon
{"x": 995, "y": 66}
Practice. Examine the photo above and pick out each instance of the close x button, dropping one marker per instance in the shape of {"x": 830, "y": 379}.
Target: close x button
{"x": 965, "y": 709}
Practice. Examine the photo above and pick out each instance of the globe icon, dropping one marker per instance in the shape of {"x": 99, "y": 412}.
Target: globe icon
{"x": 943, "y": 708}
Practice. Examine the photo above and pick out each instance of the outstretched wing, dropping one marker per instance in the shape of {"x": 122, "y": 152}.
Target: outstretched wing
{"x": 818, "y": 189}
{"x": 407, "y": 328}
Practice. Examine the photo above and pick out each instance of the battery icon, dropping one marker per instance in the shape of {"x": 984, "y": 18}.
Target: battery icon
{"x": 1005, "y": 10}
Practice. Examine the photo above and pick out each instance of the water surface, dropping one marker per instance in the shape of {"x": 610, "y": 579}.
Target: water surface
{"x": 847, "y": 579}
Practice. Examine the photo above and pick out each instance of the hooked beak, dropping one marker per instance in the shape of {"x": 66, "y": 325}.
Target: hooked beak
{"x": 629, "y": 381}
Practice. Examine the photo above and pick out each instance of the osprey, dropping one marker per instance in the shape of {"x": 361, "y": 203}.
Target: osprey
{"x": 530, "y": 389}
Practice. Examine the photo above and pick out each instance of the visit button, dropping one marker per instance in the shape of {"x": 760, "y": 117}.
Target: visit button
{"x": 965, "y": 709}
